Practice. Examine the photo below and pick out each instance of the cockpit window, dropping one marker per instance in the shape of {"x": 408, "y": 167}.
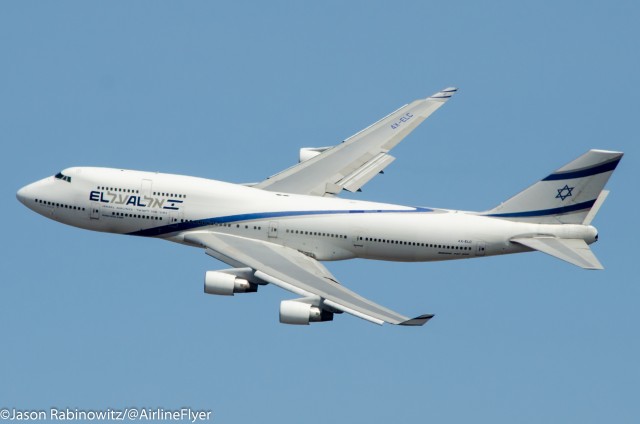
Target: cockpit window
{"x": 61, "y": 176}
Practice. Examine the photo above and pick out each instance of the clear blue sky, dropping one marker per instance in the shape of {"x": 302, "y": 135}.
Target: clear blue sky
{"x": 231, "y": 91}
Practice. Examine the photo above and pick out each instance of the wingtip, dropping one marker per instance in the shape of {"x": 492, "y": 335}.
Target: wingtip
{"x": 444, "y": 94}
{"x": 418, "y": 321}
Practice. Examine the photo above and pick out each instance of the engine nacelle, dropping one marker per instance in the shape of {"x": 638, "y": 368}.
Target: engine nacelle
{"x": 220, "y": 283}
{"x": 299, "y": 313}
{"x": 307, "y": 153}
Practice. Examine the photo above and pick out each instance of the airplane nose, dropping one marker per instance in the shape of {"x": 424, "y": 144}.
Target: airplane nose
{"x": 28, "y": 193}
{"x": 22, "y": 195}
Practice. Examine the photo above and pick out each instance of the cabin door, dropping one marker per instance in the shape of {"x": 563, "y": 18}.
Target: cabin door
{"x": 273, "y": 229}
{"x": 145, "y": 191}
{"x": 95, "y": 210}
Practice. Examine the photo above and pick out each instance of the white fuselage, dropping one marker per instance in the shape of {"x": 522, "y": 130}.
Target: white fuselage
{"x": 168, "y": 206}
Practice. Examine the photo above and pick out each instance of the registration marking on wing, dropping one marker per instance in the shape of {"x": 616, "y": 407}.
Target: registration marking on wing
{"x": 404, "y": 118}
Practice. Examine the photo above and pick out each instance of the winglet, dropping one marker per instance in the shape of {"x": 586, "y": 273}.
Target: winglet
{"x": 418, "y": 321}
{"x": 444, "y": 94}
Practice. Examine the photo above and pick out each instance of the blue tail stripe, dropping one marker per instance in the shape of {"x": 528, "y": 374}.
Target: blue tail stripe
{"x": 586, "y": 172}
{"x": 544, "y": 212}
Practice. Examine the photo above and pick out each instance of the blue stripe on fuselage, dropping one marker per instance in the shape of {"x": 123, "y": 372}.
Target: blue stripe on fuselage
{"x": 183, "y": 226}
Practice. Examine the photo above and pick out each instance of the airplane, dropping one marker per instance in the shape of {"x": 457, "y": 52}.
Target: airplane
{"x": 279, "y": 230}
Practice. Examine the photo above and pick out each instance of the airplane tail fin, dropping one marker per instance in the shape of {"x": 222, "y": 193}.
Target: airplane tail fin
{"x": 571, "y": 195}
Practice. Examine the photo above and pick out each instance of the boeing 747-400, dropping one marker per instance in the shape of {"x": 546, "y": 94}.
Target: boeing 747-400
{"x": 280, "y": 230}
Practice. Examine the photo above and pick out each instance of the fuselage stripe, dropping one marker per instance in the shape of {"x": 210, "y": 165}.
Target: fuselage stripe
{"x": 189, "y": 225}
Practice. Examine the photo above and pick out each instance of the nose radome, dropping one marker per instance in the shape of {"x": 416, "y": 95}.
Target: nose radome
{"x": 22, "y": 195}
{"x": 28, "y": 193}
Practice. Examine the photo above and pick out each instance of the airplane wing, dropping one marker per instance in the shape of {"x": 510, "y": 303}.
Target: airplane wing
{"x": 358, "y": 159}
{"x": 297, "y": 273}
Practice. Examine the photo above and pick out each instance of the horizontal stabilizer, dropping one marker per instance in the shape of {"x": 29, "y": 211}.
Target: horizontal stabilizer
{"x": 574, "y": 251}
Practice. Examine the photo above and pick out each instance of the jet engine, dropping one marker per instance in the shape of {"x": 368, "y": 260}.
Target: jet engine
{"x": 226, "y": 284}
{"x": 299, "y": 313}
